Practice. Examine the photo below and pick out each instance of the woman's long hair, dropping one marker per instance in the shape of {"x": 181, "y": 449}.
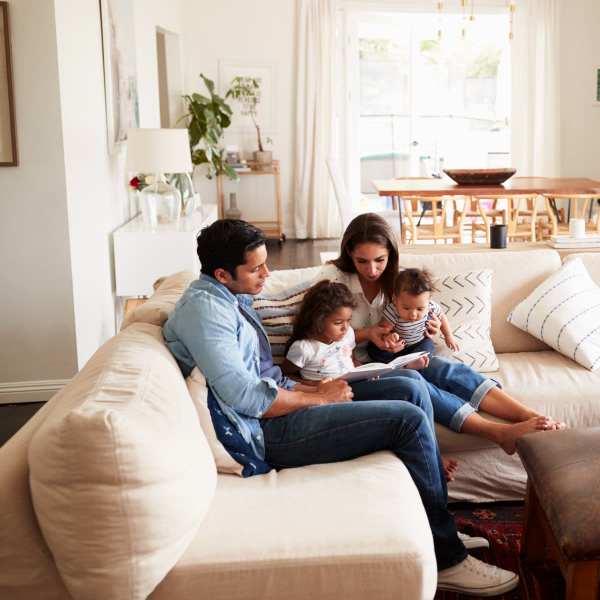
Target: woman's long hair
{"x": 370, "y": 228}
{"x": 321, "y": 300}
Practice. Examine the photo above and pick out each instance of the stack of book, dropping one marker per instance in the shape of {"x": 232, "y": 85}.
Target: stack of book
{"x": 569, "y": 242}
{"x": 241, "y": 167}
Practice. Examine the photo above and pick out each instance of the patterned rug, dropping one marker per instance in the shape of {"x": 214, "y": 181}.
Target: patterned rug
{"x": 502, "y": 524}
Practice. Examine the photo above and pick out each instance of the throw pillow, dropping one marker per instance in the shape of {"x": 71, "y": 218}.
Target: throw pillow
{"x": 199, "y": 392}
{"x": 121, "y": 474}
{"x": 277, "y": 312}
{"x": 466, "y": 299}
{"x": 564, "y": 312}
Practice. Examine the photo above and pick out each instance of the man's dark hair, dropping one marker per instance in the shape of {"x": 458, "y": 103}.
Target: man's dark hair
{"x": 414, "y": 282}
{"x": 223, "y": 245}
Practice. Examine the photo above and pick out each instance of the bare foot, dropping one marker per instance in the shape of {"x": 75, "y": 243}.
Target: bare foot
{"x": 418, "y": 363}
{"x": 450, "y": 467}
{"x": 511, "y": 433}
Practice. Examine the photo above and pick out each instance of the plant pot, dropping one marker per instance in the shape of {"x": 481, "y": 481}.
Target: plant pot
{"x": 263, "y": 158}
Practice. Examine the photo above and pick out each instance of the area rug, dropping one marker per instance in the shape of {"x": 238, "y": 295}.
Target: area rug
{"x": 502, "y": 524}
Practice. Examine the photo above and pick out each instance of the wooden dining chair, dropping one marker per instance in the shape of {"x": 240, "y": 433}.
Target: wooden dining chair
{"x": 433, "y": 223}
{"x": 483, "y": 212}
{"x": 580, "y": 206}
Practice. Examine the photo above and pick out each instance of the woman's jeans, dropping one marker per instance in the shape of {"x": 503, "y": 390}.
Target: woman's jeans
{"x": 396, "y": 415}
{"x": 456, "y": 390}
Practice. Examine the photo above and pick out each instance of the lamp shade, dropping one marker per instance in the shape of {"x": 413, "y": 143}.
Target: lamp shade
{"x": 158, "y": 151}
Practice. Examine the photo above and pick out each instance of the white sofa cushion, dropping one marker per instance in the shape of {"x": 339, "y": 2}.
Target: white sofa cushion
{"x": 564, "y": 312}
{"x": 196, "y": 384}
{"x": 591, "y": 260}
{"x": 347, "y": 530}
{"x": 121, "y": 476}
{"x": 510, "y": 283}
{"x": 466, "y": 300}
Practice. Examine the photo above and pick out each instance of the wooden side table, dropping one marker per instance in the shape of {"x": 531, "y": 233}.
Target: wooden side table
{"x": 272, "y": 229}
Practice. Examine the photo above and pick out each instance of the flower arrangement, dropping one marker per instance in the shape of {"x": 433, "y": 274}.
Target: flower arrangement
{"x": 141, "y": 181}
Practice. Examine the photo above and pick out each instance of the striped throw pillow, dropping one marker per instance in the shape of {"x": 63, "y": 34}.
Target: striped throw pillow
{"x": 564, "y": 312}
{"x": 277, "y": 313}
{"x": 466, "y": 299}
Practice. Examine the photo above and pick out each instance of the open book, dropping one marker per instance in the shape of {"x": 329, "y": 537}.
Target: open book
{"x": 371, "y": 370}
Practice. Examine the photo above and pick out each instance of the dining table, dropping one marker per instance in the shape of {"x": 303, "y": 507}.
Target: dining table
{"x": 404, "y": 187}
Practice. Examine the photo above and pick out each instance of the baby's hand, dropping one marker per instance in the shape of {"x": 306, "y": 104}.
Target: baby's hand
{"x": 451, "y": 343}
{"x": 393, "y": 339}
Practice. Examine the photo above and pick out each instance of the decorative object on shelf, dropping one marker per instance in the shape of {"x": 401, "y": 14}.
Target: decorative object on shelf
{"x": 120, "y": 73}
{"x": 159, "y": 151}
{"x": 246, "y": 90}
{"x": 8, "y": 134}
{"x": 479, "y": 176}
{"x": 190, "y": 199}
{"x": 498, "y": 235}
{"x": 206, "y": 119}
{"x": 233, "y": 212}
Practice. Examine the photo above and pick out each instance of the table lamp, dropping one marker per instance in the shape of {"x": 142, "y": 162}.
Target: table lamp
{"x": 159, "y": 151}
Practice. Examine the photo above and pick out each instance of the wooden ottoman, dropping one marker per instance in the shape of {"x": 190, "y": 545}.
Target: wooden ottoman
{"x": 562, "y": 509}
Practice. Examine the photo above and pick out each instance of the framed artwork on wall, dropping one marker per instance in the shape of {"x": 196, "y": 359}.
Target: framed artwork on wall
{"x": 8, "y": 134}
{"x": 264, "y": 72}
{"x": 120, "y": 75}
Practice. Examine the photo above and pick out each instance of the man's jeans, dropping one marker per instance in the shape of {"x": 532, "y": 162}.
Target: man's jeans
{"x": 456, "y": 390}
{"x": 396, "y": 415}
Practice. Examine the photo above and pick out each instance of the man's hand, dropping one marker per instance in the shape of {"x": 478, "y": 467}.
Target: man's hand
{"x": 334, "y": 390}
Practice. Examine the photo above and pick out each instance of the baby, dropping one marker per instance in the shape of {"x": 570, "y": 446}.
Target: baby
{"x": 408, "y": 313}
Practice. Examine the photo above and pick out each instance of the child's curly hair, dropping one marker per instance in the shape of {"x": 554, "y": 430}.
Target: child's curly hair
{"x": 414, "y": 282}
{"x": 321, "y": 300}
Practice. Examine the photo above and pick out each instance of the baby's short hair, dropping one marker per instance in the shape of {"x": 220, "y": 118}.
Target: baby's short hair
{"x": 413, "y": 282}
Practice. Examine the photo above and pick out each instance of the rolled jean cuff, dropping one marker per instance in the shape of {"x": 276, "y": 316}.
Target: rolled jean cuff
{"x": 483, "y": 388}
{"x": 459, "y": 417}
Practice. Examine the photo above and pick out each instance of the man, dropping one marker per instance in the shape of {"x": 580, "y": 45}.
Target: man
{"x": 265, "y": 420}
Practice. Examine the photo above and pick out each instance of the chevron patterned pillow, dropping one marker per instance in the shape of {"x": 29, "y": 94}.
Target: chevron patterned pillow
{"x": 466, "y": 298}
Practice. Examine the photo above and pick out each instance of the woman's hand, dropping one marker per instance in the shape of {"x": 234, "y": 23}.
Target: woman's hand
{"x": 433, "y": 326}
{"x": 380, "y": 336}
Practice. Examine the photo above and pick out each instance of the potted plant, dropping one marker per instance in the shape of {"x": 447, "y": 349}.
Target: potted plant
{"x": 246, "y": 90}
{"x": 208, "y": 116}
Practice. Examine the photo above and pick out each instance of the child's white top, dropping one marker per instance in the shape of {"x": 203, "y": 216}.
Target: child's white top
{"x": 411, "y": 332}
{"x": 318, "y": 360}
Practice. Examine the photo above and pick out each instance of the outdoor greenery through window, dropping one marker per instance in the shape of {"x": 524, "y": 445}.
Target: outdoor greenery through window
{"x": 428, "y": 103}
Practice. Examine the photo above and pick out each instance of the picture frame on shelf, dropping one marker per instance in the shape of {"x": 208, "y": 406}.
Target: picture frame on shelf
{"x": 120, "y": 75}
{"x": 8, "y": 133}
{"x": 265, "y": 73}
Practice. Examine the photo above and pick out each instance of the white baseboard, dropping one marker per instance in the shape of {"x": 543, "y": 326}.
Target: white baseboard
{"x": 15, "y": 392}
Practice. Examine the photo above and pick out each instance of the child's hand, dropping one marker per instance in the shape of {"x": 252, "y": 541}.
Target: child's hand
{"x": 394, "y": 341}
{"x": 451, "y": 343}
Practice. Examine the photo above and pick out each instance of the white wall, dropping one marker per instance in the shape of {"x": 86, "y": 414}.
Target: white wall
{"x": 37, "y": 327}
{"x": 580, "y": 117}
{"x": 263, "y": 31}
{"x": 58, "y": 208}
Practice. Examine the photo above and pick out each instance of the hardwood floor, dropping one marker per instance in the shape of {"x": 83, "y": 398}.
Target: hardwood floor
{"x": 289, "y": 255}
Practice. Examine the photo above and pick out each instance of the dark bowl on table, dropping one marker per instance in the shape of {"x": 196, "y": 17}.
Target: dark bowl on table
{"x": 480, "y": 176}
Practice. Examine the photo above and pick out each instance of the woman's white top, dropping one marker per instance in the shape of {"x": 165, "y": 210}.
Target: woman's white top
{"x": 318, "y": 360}
{"x": 366, "y": 314}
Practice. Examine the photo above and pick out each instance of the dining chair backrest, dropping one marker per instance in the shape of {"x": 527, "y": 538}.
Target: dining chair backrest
{"x": 344, "y": 201}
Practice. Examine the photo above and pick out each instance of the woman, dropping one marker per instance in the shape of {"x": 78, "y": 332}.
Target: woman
{"x": 368, "y": 264}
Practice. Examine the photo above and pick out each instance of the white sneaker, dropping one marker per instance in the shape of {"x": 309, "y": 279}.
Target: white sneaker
{"x": 472, "y": 542}
{"x": 473, "y": 577}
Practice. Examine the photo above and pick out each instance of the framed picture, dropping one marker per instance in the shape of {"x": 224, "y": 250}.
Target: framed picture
{"x": 8, "y": 134}
{"x": 229, "y": 69}
{"x": 120, "y": 75}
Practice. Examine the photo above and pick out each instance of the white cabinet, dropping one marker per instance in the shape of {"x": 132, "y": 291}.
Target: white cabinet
{"x": 143, "y": 254}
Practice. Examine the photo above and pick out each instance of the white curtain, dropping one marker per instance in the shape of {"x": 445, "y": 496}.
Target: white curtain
{"x": 315, "y": 213}
{"x": 536, "y": 89}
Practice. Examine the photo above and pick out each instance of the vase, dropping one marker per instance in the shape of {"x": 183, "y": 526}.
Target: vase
{"x": 189, "y": 198}
{"x": 160, "y": 203}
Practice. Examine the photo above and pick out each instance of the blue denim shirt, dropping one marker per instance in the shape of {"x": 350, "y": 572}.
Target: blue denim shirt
{"x": 207, "y": 329}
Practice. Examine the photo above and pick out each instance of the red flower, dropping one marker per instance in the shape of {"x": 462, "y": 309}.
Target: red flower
{"x": 134, "y": 183}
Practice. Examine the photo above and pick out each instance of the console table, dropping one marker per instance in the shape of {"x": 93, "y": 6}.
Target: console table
{"x": 142, "y": 253}
{"x": 272, "y": 229}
